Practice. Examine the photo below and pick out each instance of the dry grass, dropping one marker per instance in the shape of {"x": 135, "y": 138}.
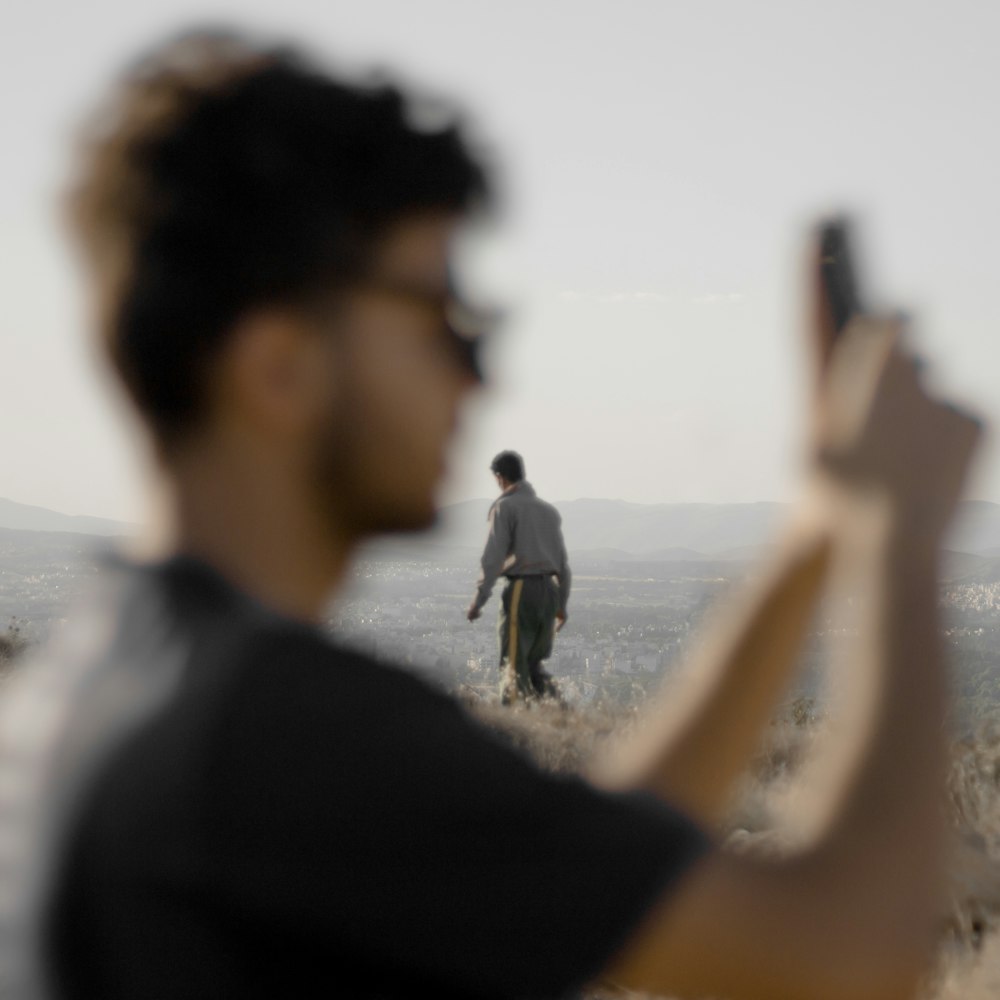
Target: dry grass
{"x": 969, "y": 967}
{"x": 565, "y": 739}
{"x": 562, "y": 740}
{"x": 968, "y": 964}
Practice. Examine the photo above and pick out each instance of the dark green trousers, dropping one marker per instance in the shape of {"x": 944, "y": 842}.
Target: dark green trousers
{"x": 525, "y": 629}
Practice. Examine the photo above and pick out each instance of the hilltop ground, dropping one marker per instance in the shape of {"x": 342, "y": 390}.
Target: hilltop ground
{"x": 566, "y": 739}
{"x": 632, "y": 624}
{"x": 968, "y": 960}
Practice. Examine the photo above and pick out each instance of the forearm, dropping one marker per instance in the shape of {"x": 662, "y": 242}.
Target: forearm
{"x": 493, "y": 558}
{"x": 490, "y": 567}
{"x": 875, "y": 872}
{"x": 484, "y": 587}
{"x": 697, "y": 740}
{"x": 886, "y": 787}
{"x": 852, "y": 915}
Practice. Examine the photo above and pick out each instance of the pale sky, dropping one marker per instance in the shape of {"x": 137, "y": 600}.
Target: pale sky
{"x": 662, "y": 162}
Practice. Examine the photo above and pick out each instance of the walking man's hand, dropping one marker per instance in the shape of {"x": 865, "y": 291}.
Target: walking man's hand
{"x": 560, "y": 620}
{"x": 473, "y": 613}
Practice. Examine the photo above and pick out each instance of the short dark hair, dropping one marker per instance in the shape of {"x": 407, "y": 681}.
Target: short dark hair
{"x": 226, "y": 175}
{"x": 510, "y": 465}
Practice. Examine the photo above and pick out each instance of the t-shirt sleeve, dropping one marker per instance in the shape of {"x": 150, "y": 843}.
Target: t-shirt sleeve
{"x": 358, "y": 805}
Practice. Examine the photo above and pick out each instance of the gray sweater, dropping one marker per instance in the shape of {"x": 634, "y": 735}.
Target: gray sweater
{"x": 525, "y": 538}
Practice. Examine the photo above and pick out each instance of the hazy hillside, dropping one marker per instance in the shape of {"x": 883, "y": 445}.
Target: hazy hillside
{"x": 633, "y": 528}
{"x": 685, "y": 531}
{"x": 601, "y": 528}
{"x": 966, "y": 568}
{"x": 25, "y": 517}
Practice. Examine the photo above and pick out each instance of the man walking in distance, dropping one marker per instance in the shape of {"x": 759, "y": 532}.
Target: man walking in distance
{"x": 204, "y": 795}
{"x": 525, "y": 544}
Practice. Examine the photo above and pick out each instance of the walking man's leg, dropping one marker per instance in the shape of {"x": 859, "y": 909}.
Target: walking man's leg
{"x": 515, "y": 643}
{"x": 545, "y": 605}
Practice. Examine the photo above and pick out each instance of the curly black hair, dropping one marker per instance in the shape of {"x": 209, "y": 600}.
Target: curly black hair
{"x": 226, "y": 175}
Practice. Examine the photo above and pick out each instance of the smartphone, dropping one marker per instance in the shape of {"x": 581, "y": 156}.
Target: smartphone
{"x": 838, "y": 273}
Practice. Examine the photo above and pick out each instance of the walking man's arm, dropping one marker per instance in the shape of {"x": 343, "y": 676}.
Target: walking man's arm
{"x": 565, "y": 583}
{"x": 495, "y": 553}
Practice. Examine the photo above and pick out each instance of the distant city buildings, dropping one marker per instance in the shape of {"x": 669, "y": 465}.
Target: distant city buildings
{"x": 630, "y": 623}
{"x": 622, "y": 636}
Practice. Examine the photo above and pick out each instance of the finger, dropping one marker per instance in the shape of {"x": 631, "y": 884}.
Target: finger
{"x": 866, "y": 363}
{"x": 871, "y": 344}
{"x": 857, "y": 367}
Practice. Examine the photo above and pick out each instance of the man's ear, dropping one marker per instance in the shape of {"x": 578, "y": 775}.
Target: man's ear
{"x": 276, "y": 372}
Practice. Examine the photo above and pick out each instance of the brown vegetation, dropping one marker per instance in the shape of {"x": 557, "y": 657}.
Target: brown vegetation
{"x": 968, "y": 964}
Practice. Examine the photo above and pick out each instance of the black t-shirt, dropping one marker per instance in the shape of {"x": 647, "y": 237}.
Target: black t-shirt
{"x": 289, "y": 819}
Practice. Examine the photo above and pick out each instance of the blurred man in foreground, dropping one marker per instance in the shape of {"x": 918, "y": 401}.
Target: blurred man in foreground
{"x": 525, "y": 544}
{"x": 205, "y": 797}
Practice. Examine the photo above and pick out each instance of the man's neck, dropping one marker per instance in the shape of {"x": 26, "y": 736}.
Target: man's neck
{"x": 259, "y": 532}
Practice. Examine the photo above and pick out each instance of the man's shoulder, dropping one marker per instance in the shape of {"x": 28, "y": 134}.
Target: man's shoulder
{"x": 532, "y": 499}
{"x": 506, "y": 506}
{"x": 550, "y": 508}
{"x": 523, "y": 496}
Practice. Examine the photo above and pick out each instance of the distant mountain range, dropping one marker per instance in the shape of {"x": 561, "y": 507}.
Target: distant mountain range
{"x": 612, "y": 529}
{"x": 679, "y": 532}
{"x": 24, "y": 517}
{"x": 667, "y": 532}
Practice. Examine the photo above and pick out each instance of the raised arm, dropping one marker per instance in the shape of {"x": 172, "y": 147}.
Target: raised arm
{"x": 699, "y": 736}
{"x": 852, "y": 915}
